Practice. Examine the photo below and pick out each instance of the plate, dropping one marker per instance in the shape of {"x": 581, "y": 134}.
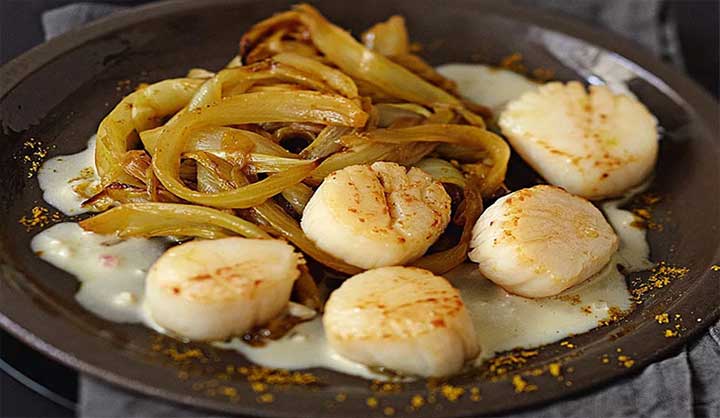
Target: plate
{"x": 55, "y": 95}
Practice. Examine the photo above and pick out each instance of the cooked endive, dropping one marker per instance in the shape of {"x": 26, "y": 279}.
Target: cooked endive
{"x": 241, "y": 150}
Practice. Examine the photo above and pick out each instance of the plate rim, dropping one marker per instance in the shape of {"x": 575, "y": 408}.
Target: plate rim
{"x": 37, "y": 336}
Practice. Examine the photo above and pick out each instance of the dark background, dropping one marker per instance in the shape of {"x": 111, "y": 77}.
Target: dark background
{"x": 33, "y": 386}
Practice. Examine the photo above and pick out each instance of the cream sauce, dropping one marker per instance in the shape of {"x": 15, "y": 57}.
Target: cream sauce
{"x": 112, "y": 275}
{"x": 504, "y": 321}
{"x": 490, "y": 86}
{"x": 60, "y": 176}
{"x": 111, "y": 271}
{"x": 634, "y": 251}
{"x": 302, "y": 348}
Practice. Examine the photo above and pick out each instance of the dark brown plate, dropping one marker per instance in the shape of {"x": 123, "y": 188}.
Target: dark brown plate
{"x": 58, "y": 93}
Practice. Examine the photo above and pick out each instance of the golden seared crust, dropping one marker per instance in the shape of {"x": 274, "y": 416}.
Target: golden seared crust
{"x": 386, "y": 199}
{"x": 207, "y": 271}
{"x": 541, "y": 212}
{"x": 377, "y": 215}
{"x": 594, "y": 143}
{"x": 539, "y": 241}
{"x": 393, "y": 303}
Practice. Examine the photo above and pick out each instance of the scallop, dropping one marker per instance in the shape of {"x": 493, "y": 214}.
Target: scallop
{"x": 211, "y": 290}
{"x": 540, "y": 241}
{"x": 377, "y": 215}
{"x": 594, "y": 144}
{"x": 401, "y": 318}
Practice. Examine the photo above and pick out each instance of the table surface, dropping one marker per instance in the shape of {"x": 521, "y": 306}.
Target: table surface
{"x": 26, "y": 375}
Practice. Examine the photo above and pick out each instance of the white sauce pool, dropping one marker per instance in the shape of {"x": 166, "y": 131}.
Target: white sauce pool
{"x": 634, "y": 251}
{"x": 60, "y": 175}
{"x": 474, "y": 80}
{"x": 504, "y": 321}
{"x": 112, "y": 272}
{"x": 303, "y": 347}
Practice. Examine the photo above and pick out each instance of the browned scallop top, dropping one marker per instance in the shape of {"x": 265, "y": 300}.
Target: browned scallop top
{"x": 393, "y": 302}
{"x": 386, "y": 199}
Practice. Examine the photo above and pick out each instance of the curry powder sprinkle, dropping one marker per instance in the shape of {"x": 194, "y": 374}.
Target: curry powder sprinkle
{"x": 266, "y": 398}
{"x": 501, "y": 364}
{"x": 614, "y": 315}
{"x": 229, "y": 391}
{"x": 626, "y": 361}
{"x": 567, "y": 344}
{"x": 189, "y": 354}
{"x": 39, "y": 217}
{"x": 34, "y": 154}
{"x": 554, "y": 369}
{"x": 663, "y": 274}
{"x": 571, "y": 299}
{"x": 475, "y": 394}
{"x": 521, "y": 385}
{"x": 643, "y": 215}
{"x": 650, "y": 199}
{"x": 451, "y": 393}
{"x": 258, "y": 387}
{"x": 662, "y": 318}
{"x": 385, "y": 387}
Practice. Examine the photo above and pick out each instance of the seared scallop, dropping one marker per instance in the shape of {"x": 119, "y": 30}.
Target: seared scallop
{"x": 594, "y": 144}
{"x": 401, "y": 318}
{"x": 540, "y": 241}
{"x": 211, "y": 290}
{"x": 377, "y": 215}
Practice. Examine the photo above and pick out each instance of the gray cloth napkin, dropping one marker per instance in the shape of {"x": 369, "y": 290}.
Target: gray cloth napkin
{"x": 687, "y": 385}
